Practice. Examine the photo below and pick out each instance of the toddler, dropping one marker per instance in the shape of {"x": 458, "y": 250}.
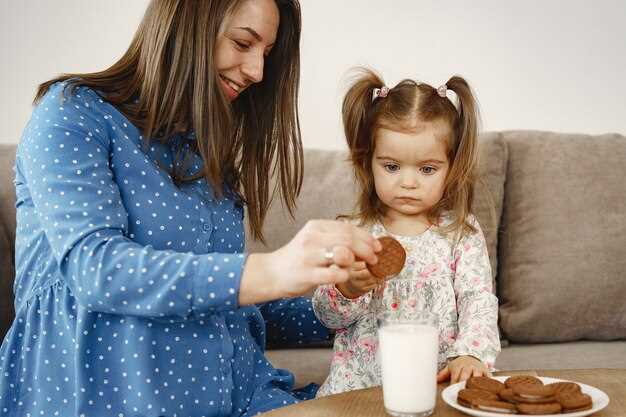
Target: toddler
{"x": 414, "y": 156}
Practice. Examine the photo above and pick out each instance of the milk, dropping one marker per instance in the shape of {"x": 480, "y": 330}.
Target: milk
{"x": 408, "y": 358}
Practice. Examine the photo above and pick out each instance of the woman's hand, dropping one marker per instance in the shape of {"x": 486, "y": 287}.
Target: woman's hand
{"x": 461, "y": 369}
{"x": 361, "y": 281}
{"x": 304, "y": 263}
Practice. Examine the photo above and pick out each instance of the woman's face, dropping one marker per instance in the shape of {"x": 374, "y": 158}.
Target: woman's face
{"x": 245, "y": 41}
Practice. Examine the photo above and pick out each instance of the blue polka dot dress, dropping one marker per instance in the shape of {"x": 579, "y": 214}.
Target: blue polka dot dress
{"x": 127, "y": 285}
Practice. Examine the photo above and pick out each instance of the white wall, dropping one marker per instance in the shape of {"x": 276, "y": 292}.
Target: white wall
{"x": 553, "y": 64}
{"x": 40, "y": 39}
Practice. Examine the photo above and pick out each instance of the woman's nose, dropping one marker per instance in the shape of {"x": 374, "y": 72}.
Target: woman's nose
{"x": 252, "y": 68}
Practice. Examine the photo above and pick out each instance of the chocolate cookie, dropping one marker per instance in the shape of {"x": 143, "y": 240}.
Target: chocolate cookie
{"x": 485, "y": 383}
{"x": 533, "y": 393}
{"x": 390, "y": 259}
{"x": 507, "y": 395}
{"x": 574, "y": 401}
{"x": 565, "y": 387}
{"x": 538, "y": 409}
{"x": 494, "y": 406}
{"x": 522, "y": 379}
{"x": 467, "y": 395}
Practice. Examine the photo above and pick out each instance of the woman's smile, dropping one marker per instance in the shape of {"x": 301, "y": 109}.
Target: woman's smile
{"x": 231, "y": 88}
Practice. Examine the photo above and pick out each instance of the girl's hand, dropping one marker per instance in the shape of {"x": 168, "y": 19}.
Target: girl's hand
{"x": 361, "y": 281}
{"x": 302, "y": 264}
{"x": 461, "y": 369}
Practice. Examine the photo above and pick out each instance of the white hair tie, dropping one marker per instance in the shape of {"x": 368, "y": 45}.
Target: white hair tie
{"x": 442, "y": 90}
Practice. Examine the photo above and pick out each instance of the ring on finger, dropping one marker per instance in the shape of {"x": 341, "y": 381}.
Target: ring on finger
{"x": 329, "y": 256}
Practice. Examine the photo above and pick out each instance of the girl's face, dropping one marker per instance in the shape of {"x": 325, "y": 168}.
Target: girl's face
{"x": 410, "y": 169}
{"x": 245, "y": 41}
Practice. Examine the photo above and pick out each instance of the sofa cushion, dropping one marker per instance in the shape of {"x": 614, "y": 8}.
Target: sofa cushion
{"x": 489, "y": 193}
{"x": 569, "y": 355}
{"x": 7, "y": 236}
{"x": 562, "y": 246}
{"x": 329, "y": 189}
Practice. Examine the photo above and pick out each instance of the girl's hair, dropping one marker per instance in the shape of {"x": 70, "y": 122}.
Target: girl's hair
{"x": 404, "y": 106}
{"x": 167, "y": 82}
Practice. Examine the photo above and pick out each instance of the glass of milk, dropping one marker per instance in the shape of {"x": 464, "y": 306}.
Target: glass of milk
{"x": 408, "y": 349}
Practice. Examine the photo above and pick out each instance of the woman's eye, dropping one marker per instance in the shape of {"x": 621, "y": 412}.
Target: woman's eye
{"x": 242, "y": 45}
{"x": 392, "y": 167}
{"x": 428, "y": 170}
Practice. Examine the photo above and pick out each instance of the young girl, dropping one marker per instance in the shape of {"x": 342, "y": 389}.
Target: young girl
{"x": 414, "y": 156}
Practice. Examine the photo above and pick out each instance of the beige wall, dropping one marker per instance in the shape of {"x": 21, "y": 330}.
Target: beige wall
{"x": 554, "y": 64}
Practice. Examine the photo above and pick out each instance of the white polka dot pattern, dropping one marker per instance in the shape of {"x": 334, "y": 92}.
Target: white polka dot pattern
{"x": 126, "y": 284}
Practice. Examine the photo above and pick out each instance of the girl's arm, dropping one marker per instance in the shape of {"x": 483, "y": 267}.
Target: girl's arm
{"x": 477, "y": 307}
{"x": 336, "y": 311}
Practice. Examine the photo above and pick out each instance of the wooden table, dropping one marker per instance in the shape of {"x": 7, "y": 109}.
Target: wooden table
{"x": 369, "y": 402}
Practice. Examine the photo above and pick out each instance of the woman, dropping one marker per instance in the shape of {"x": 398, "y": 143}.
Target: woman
{"x": 133, "y": 296}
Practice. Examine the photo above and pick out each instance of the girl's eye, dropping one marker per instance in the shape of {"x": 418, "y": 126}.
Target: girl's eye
{"x": 391, "y": 167}
{"x": 428, "y": 170}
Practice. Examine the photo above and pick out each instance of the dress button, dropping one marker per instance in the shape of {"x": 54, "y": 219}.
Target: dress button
{"x": 206, "y": 227}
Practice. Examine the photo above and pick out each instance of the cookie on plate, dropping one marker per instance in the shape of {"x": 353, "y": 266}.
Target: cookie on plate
{"x": 533, "y": 393}
{"x": 539, "y": 409}
{"x": 565, "y": 387}
{"x": 467, "y": 395}
{"x": 574, "y": 401}
{"x": 522, "y": 379}
{"x": 485, "y": 383}
{"x": 494, "y": 406}
{"x": 507, "y": 395}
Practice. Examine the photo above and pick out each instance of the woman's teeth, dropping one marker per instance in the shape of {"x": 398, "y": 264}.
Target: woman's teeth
{"x": 231, "y": 84}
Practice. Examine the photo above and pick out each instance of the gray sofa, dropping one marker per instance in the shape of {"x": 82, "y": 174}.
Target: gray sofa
{"x": 553, "y": 208}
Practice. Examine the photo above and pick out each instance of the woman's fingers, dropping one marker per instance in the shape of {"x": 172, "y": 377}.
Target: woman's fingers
{"x": 329, "y": 275}
{"x": 342, "y": 256}
{"x": 324, "y": 252}
{"x": 332, "y": 234}
{"x": 359, "y": 266}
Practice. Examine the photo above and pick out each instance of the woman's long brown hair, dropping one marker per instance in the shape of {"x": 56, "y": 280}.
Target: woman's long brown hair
{"x": 406, "y": 104}
{"x": 166, "y": 82}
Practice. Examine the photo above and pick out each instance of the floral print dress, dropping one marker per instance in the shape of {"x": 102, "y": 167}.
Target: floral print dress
{"x": 449, "y": 277}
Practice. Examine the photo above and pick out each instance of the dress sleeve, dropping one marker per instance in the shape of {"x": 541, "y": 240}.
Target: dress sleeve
{"x": 336, "y": 311}
{"x": 477, "y": 306}
{"x": 63, "y": 160}
{"x": 292, "y": 322}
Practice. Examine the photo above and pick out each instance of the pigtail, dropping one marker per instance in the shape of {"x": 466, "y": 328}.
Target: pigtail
{"x": 358, "y": 114}
{"x": 357, "y": 109}
{"x": 464, "y": 154}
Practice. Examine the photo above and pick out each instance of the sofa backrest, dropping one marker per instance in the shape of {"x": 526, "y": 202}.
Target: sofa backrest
{"x": 562, "y": 247}
{"x": 556, "y": 229}
{"x": 557, "y": 242}
{"x": 328, "y": 190}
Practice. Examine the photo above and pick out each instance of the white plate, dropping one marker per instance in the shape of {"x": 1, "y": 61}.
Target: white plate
{"x": 599, "y": 398}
